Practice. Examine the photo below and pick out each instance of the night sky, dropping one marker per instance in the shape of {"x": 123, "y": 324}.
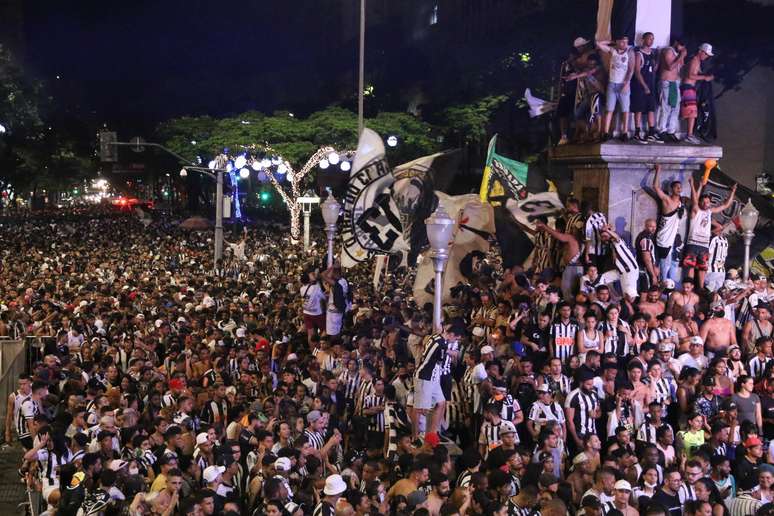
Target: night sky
{"x": 137, "y": 63}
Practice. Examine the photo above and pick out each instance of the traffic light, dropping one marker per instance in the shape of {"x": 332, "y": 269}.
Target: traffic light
{"x": 265, "y": 197}
{"x": 108, "y": 151}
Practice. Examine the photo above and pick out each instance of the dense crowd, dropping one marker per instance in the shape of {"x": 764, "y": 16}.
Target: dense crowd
{"x": 271, "y": 384}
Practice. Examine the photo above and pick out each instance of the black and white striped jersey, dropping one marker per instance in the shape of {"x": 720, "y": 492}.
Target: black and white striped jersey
{"x": 316, "y": 439}
{"x": 563, "y": 339}
{"x": 29, "y": 409}
{"x": 625, "y": 262}
{"x": 758, "y": 366}
{"x": 718, "y": 252}
{"x": 594, "y": 223}
{"x": 585, "y": 405}
{"x": 433, "y": 358}
{"x": 375, "y": 421}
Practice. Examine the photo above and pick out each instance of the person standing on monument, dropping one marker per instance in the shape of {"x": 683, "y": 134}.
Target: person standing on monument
{"x": 672, "y": 61}
{"x": 671, "y": 213}
{"x": 618, "y": 91}
{"x": 688, "y": 104}
{"x": 700, "y": 232}
{"x": 643, "y": 90}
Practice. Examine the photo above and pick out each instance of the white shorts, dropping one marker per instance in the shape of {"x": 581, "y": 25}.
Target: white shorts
{"x": 628, "y": 281}
{"x": 714, "y": 280}
{"x": 427, "y": 394}
{"x": 333, "y": 322}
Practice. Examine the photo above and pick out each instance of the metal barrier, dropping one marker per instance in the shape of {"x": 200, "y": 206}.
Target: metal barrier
{"x": 13, "y": 362}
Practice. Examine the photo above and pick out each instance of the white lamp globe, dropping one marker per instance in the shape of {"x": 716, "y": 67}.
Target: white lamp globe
{"x": 392, "y": 141}
{"x": 282, "y": 168}
{"x": 212, "y": 164}
{"x": 266, "y": 162}
{"x": 257, "y": 165}
{"x": 244, "y": 173}
{"x": 240, "y": 162}
{"x": 748, "y": 217}
{"x": 345, "y": 166}
{"x": 183, "y": 172}
{"x": 333, "y": 158}
{"x": 275, "y": 161}
{"x": 324, "y": 164}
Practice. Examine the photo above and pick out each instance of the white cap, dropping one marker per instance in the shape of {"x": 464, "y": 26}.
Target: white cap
{"x": 181, "y": 319}
{"x": 668, "y": 284}
{"x": 487, "y": 349}
{"x": 622, "y": 485}
{"x": 240, "y": 333}
{"x": 506, "y": 427}
{"x": 158, "y": 323}
{"x": 478, "y": 331}
{"x": 334, "y": 485}
{"x": 211, "y": 473}
{"x": 282, "y": 464}
{"x": 202, "y": 438}
{"x": 696, "y": 339}
{"x": 579, "y": 42}
{"x": 706, "y": 48}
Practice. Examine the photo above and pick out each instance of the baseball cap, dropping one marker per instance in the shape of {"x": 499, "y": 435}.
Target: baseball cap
{"x": 668, "y": 284}
{"x": 313, "y": 416}
{"x": 506, "y": 427}
{"x": 696, "y": 339}
{"x": 580, "y": 41}
{"x": 282, "y": 464}
{"x": 211, "y": 473}
{"x": 591, "y": 502}
{"x": 487, "y": 349}
{"x": 706, "y": 48}
{"x": 580, "y": 458}
{"x": 543, "y": 388}
{"x": 729, "y": 405}
{"x": 117, "y": 464}
{"x": 202, "y": 438}
{"x": 622, "y": 485}
{"x": 752, "y": 441}
{"x": 666, "y": 346}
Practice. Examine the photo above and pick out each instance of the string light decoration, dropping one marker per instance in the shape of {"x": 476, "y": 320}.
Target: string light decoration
{"x": 269, "y": 164}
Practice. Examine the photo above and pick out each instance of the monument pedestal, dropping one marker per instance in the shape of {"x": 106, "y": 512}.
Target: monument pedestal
{"x": 617, "y": 178}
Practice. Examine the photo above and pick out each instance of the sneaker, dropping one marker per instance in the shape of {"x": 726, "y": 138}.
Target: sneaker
{"x": 638, "y": 138}
{"x": 654, "y": 138}
{"x": 669, "y": 138}
{"x": 624, "y": 137}
{"x": 692, "y": 140}
{"x": 606, "y": 137}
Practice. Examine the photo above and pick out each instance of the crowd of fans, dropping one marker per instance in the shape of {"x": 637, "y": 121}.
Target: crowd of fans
{"x": 659, "y": 86}
{"x": 168, "y": 385}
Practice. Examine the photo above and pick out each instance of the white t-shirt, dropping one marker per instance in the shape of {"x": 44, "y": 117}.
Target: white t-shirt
{"x": 313, "y": 296}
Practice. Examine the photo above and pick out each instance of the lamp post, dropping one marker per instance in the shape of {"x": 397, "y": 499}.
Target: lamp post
{"x": 439, "y": 232}
{"x": 308, "y": 200}
{"x": 215, "y": 171}
{"x": 330, "y": 212}
{"x": 748, "y": 219}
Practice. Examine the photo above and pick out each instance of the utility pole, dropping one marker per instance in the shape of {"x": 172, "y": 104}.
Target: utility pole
{"x": 361, "y": 70}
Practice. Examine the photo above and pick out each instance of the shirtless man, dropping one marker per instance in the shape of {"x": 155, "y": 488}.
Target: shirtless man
{"x": 573, "y": 269}
{"x": 686, "y": 328}
{"x": 678, "y": 300}
{"x": 582, "y": 477}
{"x": 717, "y": 331}
{"x": 671, "y": 213}
{"x": 688, "y": 104}
{"x": 758, "y": 326}
{"x": 672, "y": 60}
{"x": 652, "y": 305}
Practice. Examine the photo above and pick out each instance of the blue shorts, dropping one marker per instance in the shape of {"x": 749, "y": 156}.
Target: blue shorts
{"x": 615, "y": 94}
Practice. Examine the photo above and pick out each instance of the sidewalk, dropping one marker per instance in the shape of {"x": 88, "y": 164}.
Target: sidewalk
{"x": 12, "y": 491}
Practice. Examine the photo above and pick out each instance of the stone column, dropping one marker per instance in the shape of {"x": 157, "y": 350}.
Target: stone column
{"x": 617, "y": 178}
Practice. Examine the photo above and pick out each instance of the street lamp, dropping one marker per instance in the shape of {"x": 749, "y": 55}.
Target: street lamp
{"x": 183, "y": 172}
{"x": 214, "y": 170}
{"x": 748, "y": 219}
{"x": 330, "y": 212}
{"x": 439, "y": 232}
{"x": 307, "y": 201}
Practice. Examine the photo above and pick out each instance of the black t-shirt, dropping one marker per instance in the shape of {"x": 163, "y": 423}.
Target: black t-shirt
{"x": 746, "y": 474}
{"x": 533, "y": 333}
{"x": 671, "y": 503}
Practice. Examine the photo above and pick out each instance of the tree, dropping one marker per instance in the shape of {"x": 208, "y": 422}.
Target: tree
{"x": 294, "y": 140}
{"x": 35, "y": 153}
